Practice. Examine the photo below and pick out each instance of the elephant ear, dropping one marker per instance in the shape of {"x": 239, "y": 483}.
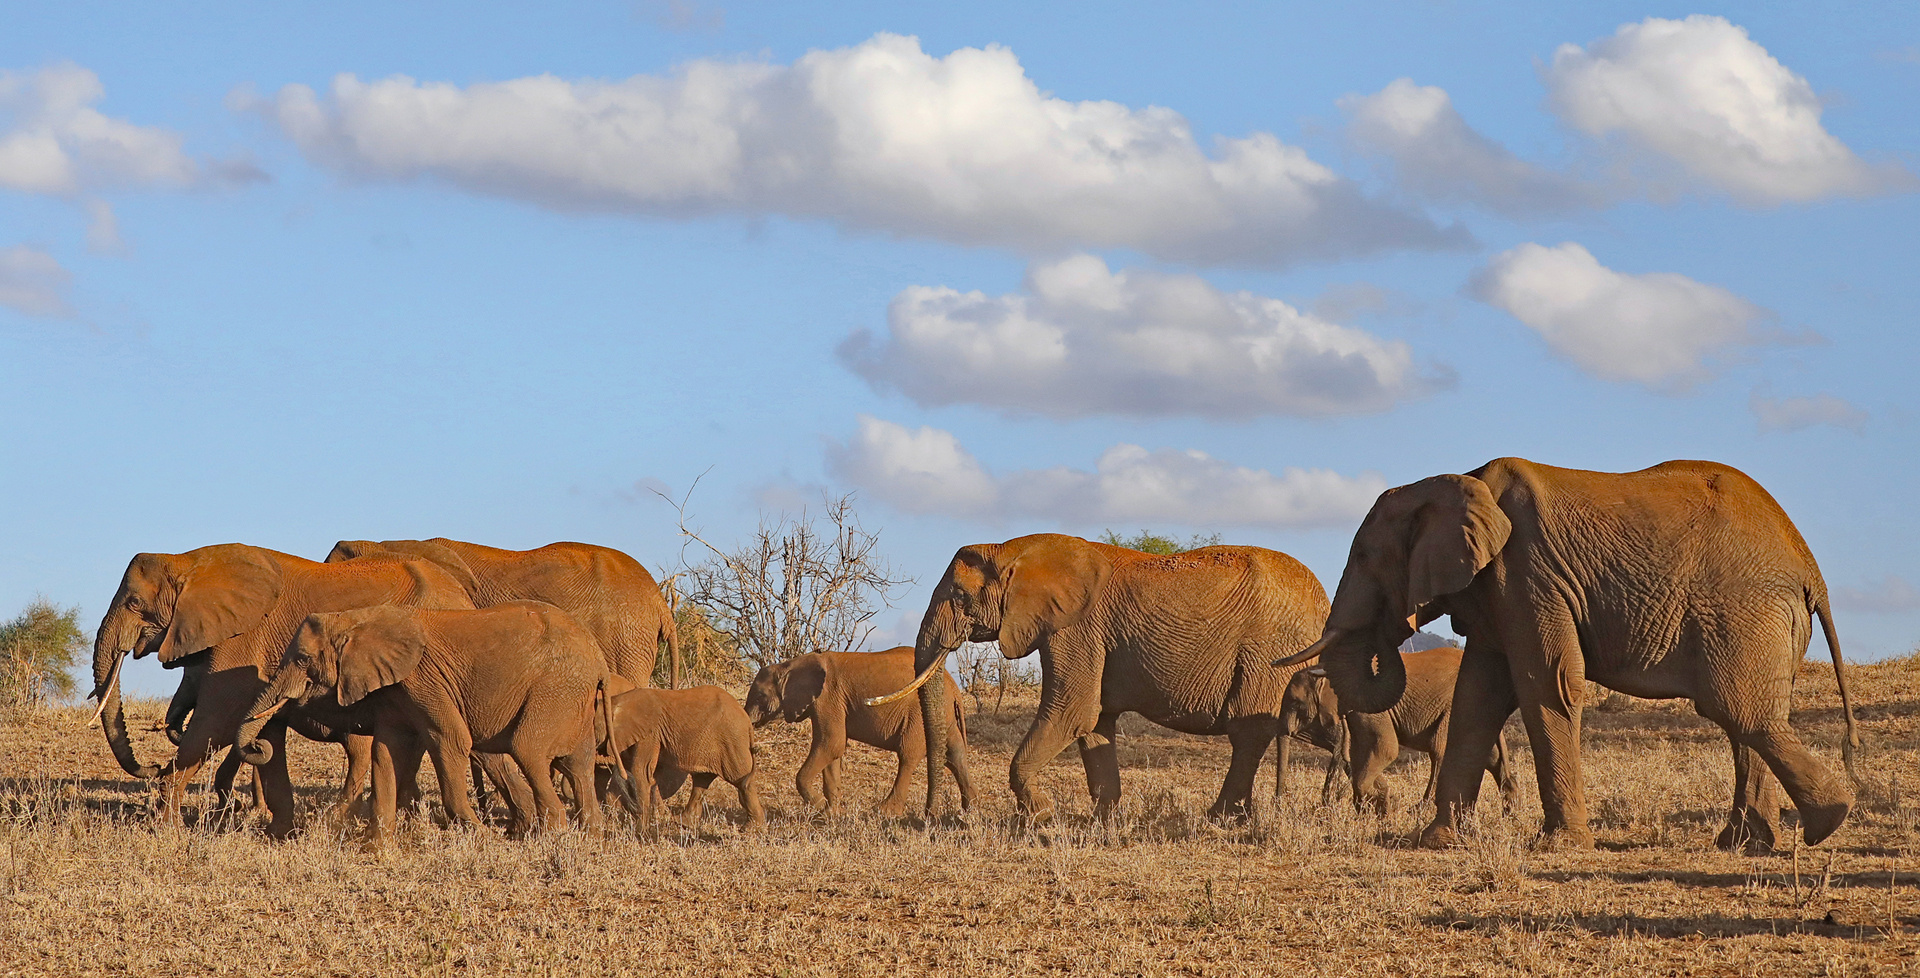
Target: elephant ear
{"x": 1048, "y": 584}
{"x": 805, "y": 677}
{"x": 1459, "y": 527}
{"x": 377, "y": 652}
{"x": 221, "y": 595}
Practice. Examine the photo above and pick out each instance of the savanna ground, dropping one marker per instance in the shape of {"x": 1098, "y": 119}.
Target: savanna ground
{"x": 89, "y": 886}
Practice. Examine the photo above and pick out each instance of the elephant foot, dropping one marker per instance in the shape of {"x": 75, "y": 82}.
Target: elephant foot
{"x": 1439, "y": 835}
{"x": 1748, "y": 832}
{"x": 1819, "y": 821}
{"x": 1233, "y": 813}
{"x": 281, "y": 831}
{"x": 1564, "y": 839}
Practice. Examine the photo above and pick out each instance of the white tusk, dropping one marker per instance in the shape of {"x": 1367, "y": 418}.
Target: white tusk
{"x": 113, "y": 677}
{"x": 1326, "y": 638}
{"x": 918, "y": 681}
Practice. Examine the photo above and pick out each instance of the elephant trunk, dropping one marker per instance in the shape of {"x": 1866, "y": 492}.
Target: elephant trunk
{"x": 288, "y": 684}
{"x": 1351, "y": 669}
{"x": 941, "y": 631}
{"x": 118, "y": 635}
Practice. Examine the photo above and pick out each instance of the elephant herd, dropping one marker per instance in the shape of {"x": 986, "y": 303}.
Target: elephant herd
{"x": 1681, "y": 580}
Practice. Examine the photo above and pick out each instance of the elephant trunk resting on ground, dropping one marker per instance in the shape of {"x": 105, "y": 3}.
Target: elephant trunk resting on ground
{"x": 1681, "y": 580}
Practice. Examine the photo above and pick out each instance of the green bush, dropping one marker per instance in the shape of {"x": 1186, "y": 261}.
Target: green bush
{"x": 37, "y": 651}
{"x": 1147, "y": 541}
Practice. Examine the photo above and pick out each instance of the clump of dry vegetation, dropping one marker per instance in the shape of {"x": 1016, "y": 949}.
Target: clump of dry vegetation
{"x": 89, "y": 886}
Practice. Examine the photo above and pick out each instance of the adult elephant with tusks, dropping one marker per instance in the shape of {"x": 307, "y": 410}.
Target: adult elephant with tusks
{"x": 228, "y": 611}
{"x": 1681, "y": 580}
{"x": 1184, "y": 640}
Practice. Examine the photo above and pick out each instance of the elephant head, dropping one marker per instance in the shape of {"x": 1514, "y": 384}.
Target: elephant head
{"x": 1420, "y": 543}
{"x": 1017, "y": 593}
{"x": 349, "y": 654}
{"x": 175, "y": 606}
{"x": 786, "y": 690}
{"x": 1310, "y": 710}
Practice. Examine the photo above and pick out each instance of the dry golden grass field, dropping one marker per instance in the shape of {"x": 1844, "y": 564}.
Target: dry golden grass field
{"x": 90, "y": 886}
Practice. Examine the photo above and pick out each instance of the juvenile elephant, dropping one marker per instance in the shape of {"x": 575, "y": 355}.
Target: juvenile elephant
{"x": 1311, "y": 713}
{"x": 663, "y": 736}
{"x": 602, "y": 588}
{"x": 1681, "y": 580}
{"x": 521, "y": 678}
{"x": 1183, "y": 640}
{"x": 227, "y": 612}
{"x": 831, "y": 690}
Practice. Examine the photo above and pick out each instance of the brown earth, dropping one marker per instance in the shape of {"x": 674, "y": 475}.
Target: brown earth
{"x": 89, "y": 886}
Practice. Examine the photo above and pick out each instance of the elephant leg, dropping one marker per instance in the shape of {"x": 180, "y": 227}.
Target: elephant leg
{"x": 579, "y": 770}
{"x": 1753, "y": 823}
{"x": 1283, "y": 756}
{"x": 819, "y": 760}
{"x": 1100, "y": 758}
{"x": 223, "y": 783}
{"x": 546, "y": 801}
{"x": 957, "y": 763}
{"x": 1549, "y": 691}
{"x": 669, "y": 780}
{"x": 830, "y": 784}
{"x": 1823, "y": 797}
{"x": 1059, "y": 722}
{"x": 407, "y": 754}
{"x": 1436, "y": 753}
{"x": 1373, "y": 747}
{"x": 696, "y": 801}
{"x": 1500, "y": 765}
{"x": 750, "y": 801}
{"x": 1249, "y": 737}
{"x": 913, "y": 751}
{"x": 1483, "y": 698}
{"x": 515, "y": 794}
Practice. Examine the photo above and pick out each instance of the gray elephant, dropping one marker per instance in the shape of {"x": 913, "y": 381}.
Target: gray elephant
{"x": 1367, "y": 743}
{"x": 1182, "y": 640}
{"x": 1681, "y": 580}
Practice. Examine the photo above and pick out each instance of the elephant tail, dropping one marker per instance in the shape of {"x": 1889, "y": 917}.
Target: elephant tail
{"x": 603, "y": 701}
{"x": 1822, "y": 608}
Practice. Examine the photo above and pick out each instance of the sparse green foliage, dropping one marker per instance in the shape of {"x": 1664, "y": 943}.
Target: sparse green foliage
{"x": 1147, "y": 541}
{"x": 37, "y": 650}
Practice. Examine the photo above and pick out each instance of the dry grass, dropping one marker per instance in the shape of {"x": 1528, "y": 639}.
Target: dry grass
{"x": 88, "y": 886}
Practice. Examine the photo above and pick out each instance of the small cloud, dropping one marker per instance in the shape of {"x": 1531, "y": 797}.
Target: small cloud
{"x": 1891, "y": 596}
{"x": 929, "y": 471}
{"x": 33, "y": 283}
{"x": 1795, "y": 413}
{"x": 57, "y": 143}
{"x": 1083, "y": 339}
{"x": 1661, "y": 330}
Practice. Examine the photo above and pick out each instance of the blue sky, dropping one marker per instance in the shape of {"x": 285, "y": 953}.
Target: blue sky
{"x": 998, "y": 269}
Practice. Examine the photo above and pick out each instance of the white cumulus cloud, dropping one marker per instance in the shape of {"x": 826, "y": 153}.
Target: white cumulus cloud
{"x": 1436, "y": 156}
{"x": 879, "y": 136}
{"x": 1795, "y": 413}
{"x": 32, "y": 282}
{"x": 1700, "y": 95}
{"x": 928, "y": 471}
{"x": 1658, "y": 329}
{"x": 1083, "y": 339}
{"x": 52, "y": 140}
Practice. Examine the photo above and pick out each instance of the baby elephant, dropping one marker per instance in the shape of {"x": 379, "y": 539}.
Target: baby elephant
{"x": 1311, "y": 712}
{"x": 831, "y": 689}
{"x": 663, "y": 736}
{"x": 521, "y": 678}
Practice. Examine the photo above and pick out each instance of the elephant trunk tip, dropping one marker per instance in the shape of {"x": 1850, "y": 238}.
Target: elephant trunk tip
{"x": 255, "y": 752}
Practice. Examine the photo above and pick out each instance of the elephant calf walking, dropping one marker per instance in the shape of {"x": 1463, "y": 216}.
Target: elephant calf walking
{"x": 831, "y": 689}
{"x": 1311, "y": 712}
{"x": 665, "y": 736}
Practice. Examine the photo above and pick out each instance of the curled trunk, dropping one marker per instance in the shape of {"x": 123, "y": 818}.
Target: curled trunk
{"x": 1361, "y": 688}
{"x": 289, "y": 683}
{"x": 117, "y": 636}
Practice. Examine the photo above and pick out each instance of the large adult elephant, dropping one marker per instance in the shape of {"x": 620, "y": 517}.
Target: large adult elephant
{"x": 229, "y": 611}
{"x": 1182, "y": 640}
{"x": 602, "y": 588}
{"x": 1681, "y": 580}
